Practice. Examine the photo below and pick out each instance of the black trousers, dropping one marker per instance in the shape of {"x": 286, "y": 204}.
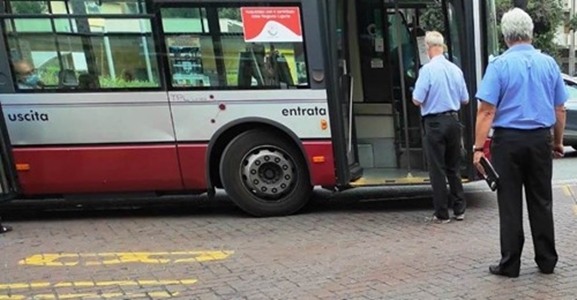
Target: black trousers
{"x": 442, "y": 144}
{"x": 523, "y": 158}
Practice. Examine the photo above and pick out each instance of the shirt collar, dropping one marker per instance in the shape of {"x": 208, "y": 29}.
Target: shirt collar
{"x": 438, "y": 57}
{"x": 521, "y": 47}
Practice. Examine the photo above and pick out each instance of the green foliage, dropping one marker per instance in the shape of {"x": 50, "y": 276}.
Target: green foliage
{"x": 29, "y": 7}
{"x": 230, "y": 13}
{"x": 108, "y": 82}
{"x": 433, "y": 18}
{"x": 193, "y": 13}
{"x": 49, "y": 77}
{"x": 572, "y": 24}
{"x": 547, "y": 16}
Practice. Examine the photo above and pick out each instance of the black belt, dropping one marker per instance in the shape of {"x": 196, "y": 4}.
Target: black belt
{"x": 522, "y": 130}
{"x": 445, "y": 113}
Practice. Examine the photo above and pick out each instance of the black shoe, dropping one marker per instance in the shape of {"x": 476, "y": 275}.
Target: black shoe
{"x": 5, "y": 228}
{"x": 546, "y": 271}
{"x": 460, "y": 217}
{"x": 496, "y": 270}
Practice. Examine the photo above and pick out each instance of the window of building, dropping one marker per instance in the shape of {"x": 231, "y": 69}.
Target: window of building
{"x": 57, "y": 52}
{"x": 213, "y": 49}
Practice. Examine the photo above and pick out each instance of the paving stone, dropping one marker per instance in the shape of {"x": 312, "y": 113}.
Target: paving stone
{"x": 340, "y": 249}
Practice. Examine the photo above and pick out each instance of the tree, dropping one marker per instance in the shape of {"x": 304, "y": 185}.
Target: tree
{"x": 572, "y": 24}
{"x": 547, "y": 17}
{"x": 29, "y": 7}
{"x": 193, "y": 13}
{"x": 433, "y": 18}
{"x": 230, "y": 13}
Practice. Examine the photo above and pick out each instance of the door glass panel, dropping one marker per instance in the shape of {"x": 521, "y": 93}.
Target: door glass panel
{"x": 454, "y": 32}
{"x": 345, "y": 80}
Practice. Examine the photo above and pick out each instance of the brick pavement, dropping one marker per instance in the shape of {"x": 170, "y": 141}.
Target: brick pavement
{"x": 337, "y": 250}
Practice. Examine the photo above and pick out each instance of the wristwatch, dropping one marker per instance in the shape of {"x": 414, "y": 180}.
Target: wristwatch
{"x": 478, "y": 149}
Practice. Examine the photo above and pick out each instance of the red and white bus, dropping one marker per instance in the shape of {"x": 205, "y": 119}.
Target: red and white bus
{"x": 265, "y": 99}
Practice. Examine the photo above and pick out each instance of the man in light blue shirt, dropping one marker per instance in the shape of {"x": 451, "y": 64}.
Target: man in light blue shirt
{"x": 439, "y": 92}
{"x": 522, "y": 97}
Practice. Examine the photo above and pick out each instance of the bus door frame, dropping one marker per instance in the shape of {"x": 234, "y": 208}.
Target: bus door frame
{"x": 339, "y": 93}
{"x": 9, "y": 185}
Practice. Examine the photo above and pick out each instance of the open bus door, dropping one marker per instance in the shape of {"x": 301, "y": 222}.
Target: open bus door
{"x": 337, "y": 66}
{"x": 385, "y": 59}
{"x": 9, "y": 187}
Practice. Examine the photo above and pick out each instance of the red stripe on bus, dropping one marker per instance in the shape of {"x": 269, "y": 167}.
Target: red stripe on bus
{"x": 322, "y": 173}
{"x": 193, "y": 165}
{"x": 69, "y": 170}
{"x": 65, "y": 170}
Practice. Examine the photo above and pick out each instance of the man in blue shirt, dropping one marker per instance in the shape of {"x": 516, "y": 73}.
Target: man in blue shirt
{"x": 522, "y": 97}
{"x": 439, "y": 92}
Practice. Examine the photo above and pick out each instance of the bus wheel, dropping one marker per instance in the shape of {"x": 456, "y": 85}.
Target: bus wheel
{"x": 265, "y": 175}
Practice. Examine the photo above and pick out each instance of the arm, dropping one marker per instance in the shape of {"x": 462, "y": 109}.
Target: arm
{"x": 485, "y": 116}
{"x": 561, "y": 96}
{"x": 489, "y": 93}
{"x": 421, "y": 87}
{"x": 558, "y": 130}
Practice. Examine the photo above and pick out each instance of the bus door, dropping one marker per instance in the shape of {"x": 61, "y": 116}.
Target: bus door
{"x": 408, "y": 20}
{"x": 338, "y": 65}
{"x": 385, "y": 55}
{"x": 9, "y": 187}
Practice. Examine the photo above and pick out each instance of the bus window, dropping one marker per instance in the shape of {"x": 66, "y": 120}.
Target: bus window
{"x": 81, "y": 53}
{"x": 275, "y": 64}
{"x": 189, "y": 47}
{"x": 213, "y": 51}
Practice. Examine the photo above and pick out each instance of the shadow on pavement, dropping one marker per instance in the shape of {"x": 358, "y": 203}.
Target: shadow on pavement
{"x": 382, "y": 200}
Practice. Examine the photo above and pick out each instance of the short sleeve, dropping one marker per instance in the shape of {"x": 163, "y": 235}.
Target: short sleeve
{"x": 561, "y": 93}
{"x": 490, "y": 87}
{"x": 422, "y": 85}
{"x": 464, "y": 91}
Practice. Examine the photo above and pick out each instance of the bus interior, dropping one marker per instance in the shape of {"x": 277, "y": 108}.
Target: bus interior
{"x": 383, "y": 48}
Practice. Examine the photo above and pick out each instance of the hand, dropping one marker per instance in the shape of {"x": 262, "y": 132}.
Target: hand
{"x": 477, "y": 162}
{"x": 558, "y": 151}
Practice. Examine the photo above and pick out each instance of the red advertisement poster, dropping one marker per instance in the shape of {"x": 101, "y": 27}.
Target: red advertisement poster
{"x": 272, "y": 24}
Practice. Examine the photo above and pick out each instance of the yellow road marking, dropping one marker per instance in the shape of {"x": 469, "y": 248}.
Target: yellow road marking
{"x": 113, "y": 258}
{"x": 567, "y": 191}
{"x": 62, "y": 284}
{"x": 154, "y": 295}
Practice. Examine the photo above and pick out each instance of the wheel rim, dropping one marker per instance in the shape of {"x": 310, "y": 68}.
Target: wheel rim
{"x": 268, "y": 172}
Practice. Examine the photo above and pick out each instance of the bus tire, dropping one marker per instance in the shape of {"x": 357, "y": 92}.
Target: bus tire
{"x": 265, "y": 175}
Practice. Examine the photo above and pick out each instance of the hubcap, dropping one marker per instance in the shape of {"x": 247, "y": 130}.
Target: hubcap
{"x": 268, "y": 173}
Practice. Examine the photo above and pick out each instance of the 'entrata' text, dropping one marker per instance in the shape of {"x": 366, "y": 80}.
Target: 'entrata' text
{"x": 304, "y": 111}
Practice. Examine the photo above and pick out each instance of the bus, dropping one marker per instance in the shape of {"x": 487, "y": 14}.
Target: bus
{"x": 265, "y": 99}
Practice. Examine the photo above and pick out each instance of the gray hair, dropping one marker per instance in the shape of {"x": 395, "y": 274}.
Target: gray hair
{"x": 434, "y": 38}
{"x": 517, "y": 26}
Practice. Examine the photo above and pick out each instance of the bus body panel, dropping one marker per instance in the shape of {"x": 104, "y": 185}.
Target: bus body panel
{"x": 76, "y": 119}
{"x": 303, "y": 111}
{"x": 192, "y": 158}
{"x": 65, "y": 143}
{"x": 322, "y": 170}
{"x": 70, "y": 170}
